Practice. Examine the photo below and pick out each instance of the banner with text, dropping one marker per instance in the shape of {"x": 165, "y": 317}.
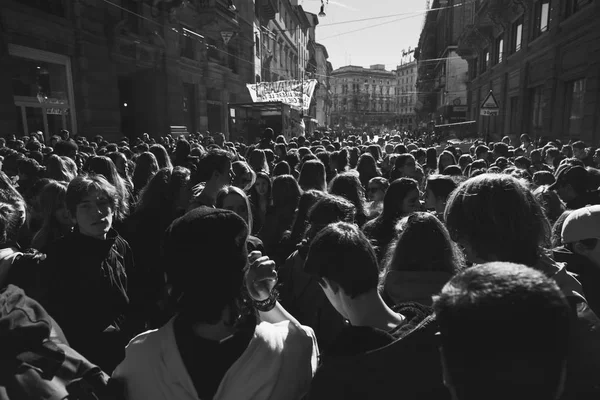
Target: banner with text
{"x": 297, "y": 94}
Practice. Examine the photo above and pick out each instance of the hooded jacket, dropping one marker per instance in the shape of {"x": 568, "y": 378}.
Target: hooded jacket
{"x": 278, "y": 364}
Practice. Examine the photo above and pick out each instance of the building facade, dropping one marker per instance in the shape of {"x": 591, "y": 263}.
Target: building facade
{"x": 284, "y": 36}
{"x": 126, "y": 67}
{"x": 541, "y": 59}
{"x": 322, "y": 92}
{"x": 443, "y": 77}
{"x": 406, "y": 95}
{"x": 363, "y": 97}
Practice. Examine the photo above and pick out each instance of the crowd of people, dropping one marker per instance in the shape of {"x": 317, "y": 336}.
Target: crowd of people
{"x": 321, "y": 268}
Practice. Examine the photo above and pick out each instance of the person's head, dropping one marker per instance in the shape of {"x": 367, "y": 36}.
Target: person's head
{"x": 307, "y": 200}
{"x": 406, "y": 252}
{"x": 541, "y": 178}
{"x": 367, "y": 167}
{"x": 376, "y": 189}
{"x": 327, "y": 210}
{"x": 244, "y": 175}
{"x": 437, "y": 191}
{"x": 280, "y": 150}
{"x": 494, "y": 217}
{"x": 506, "y": 140}
{"x": 29, "y": 170}
{"x": 344, "y": 262}
{"x": 102, "y": 165}
{"x": 552, "y": 154}
{"x": 581, "y": 233}
{"x": 234, "y": 199}
{"x": 567, "y": 151}
{"x": 481, "y": 152}
{"x": 206, "y": 257}
{"x": 525, "y": 140}
{"x": 504, "y": 332}
{"x": 313, "y": 176}
{"x": 522, "y": 162}
{"x": 286, "y": 192}
{"x": 121, "y": 162}
{"x": 168, "y": 192}
{"x": 219, "y": 139}
{"x": 215, "y": 167}
{"x": 257, "y": 159}
{"x": 282, "y": 168}
{"x": 401, "y": 199}
{"x": 405, "y": 166}
{"x": 162, "y": 157}
{"x": 536, "y": 156}
{"x": 571, "y": 182}
{"x": 579, "y": 150}
{"x": 268, "y": 134}
{"x": 500, "y": 150}
{"x": 348, "y": 186}
{"x": 464, "y": 161}
{"x": 66, "y": 148}
{"x": 57, "y": 169}
{"x": 52, "y": 205}
{"x": 553, "y": 207}
{"x": 445, "y": 159}
{"x": 91, "y": 202}
{"x": 145, "y": 168}
{"x": 262, "y": 186}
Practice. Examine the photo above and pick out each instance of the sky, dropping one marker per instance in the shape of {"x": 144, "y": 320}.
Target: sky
{"x": 397, "y": 25}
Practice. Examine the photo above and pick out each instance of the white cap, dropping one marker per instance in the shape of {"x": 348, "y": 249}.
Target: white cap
{"x": 582, "y": 224}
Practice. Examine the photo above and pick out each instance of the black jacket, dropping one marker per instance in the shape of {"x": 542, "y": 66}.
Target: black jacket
{"x": 407, "y": 366}
{"x": 88, "y": 294}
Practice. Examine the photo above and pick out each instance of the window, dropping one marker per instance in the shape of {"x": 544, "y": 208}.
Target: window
{"x": 187, "y": 46}
{"x": 499, "y": 49}
{"x": 537, "y": 108}
{"x": 517, "y": 35}
{"x": 486, "y": 60}
{"x": 542, "y": 17}
{"x": 574, "y": 6}
{"x": 575, "y": 96}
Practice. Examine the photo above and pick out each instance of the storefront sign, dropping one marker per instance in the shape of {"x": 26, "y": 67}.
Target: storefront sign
{"x": 297, "y": 94}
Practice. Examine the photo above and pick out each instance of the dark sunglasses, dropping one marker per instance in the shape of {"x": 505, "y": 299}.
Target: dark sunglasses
{"x": 373, "y": 189}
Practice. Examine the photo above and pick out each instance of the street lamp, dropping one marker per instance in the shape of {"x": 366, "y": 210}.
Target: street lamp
{"x": 322, "y": 12}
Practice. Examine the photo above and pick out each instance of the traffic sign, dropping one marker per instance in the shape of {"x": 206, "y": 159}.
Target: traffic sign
{"x": 489, "y": 112}
{"x": 490, "y": 102}
{"x": 226, "y": 36}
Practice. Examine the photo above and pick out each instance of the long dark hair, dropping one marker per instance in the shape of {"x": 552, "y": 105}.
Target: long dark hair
{"x": 418, "y": 229}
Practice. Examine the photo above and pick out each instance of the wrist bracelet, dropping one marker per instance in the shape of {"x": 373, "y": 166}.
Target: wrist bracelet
{"x": 267, "y": 304}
